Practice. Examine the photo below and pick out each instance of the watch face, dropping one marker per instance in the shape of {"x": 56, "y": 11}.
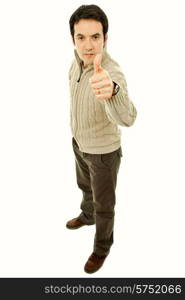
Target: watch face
{"x": 116, "y": 88}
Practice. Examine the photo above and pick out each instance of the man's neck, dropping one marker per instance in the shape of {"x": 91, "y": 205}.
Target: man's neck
{"x": 84, "y": 66}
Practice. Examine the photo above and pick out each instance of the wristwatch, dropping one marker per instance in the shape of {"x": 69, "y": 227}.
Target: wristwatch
{"x": 115, "y": 89}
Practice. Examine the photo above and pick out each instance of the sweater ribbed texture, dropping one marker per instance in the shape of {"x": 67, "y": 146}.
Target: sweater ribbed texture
{"x": 94, "y": 122}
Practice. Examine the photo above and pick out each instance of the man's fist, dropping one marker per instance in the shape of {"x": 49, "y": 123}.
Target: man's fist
{"x": 101, "y": 82}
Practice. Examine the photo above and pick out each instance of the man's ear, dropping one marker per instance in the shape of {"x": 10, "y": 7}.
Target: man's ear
{"x": 105, "y": 40}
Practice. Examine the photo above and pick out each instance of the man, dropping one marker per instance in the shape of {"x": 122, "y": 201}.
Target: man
{"x": 99, "y": 103}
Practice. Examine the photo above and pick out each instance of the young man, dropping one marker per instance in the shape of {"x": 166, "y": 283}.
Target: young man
{"x": 99, "y": 103}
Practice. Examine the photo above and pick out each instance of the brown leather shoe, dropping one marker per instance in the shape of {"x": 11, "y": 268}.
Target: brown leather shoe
{"x": 94, "y": 263}
{"x": 75, "y": 223}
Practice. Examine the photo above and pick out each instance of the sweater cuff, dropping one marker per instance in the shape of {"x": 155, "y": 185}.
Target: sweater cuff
{"x": 120, "y": 110}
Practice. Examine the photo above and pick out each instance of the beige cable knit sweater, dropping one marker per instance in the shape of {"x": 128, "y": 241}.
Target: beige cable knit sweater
{"x": 94, "y": 122}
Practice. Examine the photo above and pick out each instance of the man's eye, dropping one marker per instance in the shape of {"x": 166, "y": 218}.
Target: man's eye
{"x": 80, "y": 38}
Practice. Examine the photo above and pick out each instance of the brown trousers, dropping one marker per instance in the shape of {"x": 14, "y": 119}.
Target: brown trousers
{"x": 97, "y": 176}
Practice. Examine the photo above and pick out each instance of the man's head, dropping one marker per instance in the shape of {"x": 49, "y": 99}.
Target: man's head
{"x": 89, "y": 27}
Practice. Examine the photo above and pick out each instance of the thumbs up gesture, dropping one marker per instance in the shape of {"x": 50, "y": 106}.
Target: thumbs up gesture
{"x": 101, "y": 81}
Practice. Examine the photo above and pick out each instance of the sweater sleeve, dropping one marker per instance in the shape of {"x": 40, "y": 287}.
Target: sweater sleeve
{"x": 119, "y": 108}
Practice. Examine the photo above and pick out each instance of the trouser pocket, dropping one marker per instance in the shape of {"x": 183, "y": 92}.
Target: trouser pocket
{"x": 108, "y": 159}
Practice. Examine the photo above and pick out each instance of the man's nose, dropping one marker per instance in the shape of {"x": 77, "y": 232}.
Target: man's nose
{"x": 88, "y": 45}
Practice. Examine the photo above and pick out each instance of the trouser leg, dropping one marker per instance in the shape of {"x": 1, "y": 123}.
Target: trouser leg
{"x": 103, "y": 182}
{"x": 83, "y": 181}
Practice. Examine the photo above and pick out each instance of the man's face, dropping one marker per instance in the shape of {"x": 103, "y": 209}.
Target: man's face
{"x": 88, "y": 39}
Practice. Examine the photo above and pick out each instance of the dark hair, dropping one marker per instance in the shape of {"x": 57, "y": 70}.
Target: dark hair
{"x": 89, "y": 12}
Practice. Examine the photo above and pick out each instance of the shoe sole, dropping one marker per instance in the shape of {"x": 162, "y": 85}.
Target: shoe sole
{"x": 90, "y": 272}
{"x": 73, "y": 228}
{"x": 68, "y": 227}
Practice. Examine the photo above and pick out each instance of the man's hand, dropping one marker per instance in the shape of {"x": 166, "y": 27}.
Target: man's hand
{"x": 101, "y": 82}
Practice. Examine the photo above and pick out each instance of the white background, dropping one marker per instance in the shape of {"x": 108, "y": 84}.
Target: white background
{"x": 38, "y": 190}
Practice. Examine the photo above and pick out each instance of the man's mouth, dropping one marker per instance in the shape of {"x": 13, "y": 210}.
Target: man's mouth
{"x": 89, "y": 54}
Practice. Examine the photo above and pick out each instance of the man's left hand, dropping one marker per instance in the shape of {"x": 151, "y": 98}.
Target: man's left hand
{"x": 101, "y": 82}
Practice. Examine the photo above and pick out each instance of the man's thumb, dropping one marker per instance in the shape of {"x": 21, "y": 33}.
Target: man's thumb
{"x": 97, "y": 63}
